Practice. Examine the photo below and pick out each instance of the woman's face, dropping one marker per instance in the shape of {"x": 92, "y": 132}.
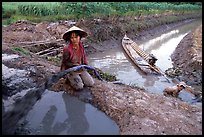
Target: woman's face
{"x": 75, "y": 39}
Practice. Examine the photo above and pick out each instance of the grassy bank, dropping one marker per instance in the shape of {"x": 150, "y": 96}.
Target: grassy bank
{"x": 54, "y": 11}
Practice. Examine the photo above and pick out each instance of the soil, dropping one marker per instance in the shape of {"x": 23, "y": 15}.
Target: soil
{"x": 190, "y": 62}
{"x": 134, "y": 110}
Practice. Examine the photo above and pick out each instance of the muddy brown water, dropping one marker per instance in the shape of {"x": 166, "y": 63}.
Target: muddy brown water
{"x": 116, "y": 62}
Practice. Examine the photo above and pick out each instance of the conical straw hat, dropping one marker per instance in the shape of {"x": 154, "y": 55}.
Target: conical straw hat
{"x": 82, "y": 33}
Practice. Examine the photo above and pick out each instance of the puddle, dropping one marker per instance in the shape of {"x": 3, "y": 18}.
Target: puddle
{"x": 58, "y": 113}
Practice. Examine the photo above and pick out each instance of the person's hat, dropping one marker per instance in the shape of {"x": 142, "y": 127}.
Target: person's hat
{"x": 81, "y": 32}
{"x": 183, "y": 84}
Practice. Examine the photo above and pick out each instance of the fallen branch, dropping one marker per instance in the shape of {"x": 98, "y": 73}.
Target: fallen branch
{"x": 55, "y": 51}
{"x": 44, "y": 51}
{"x": 37, "y": 42}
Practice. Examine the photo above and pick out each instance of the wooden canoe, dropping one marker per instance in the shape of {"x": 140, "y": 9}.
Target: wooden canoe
{"x": 138, "y": 56}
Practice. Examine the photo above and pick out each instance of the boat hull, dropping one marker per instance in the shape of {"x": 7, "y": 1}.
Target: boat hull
{"x": 134, "y": 53}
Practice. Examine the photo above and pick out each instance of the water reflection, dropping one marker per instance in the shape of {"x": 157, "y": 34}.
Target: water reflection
{"x": 150, "y": 80}
{"x": 75, "y": 110}
{"x": 48, "y": 120}
{"x": 165, "y": 50}
{"x": 58, "y": 113}
{"x": 164, "y": 45}
{"x": 75, "y": 122}
{"x": 156, "y": 42}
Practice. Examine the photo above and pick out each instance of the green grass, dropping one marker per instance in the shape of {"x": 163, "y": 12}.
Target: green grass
{"x": 22, "y": 51}
{"x": 54, "y": 11}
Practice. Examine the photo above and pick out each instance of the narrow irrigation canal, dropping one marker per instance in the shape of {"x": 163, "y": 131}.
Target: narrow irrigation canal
{"x": 116, "y": 62}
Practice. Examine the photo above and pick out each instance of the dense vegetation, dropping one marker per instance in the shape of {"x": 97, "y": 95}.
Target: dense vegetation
{"x": 52, "y": 11}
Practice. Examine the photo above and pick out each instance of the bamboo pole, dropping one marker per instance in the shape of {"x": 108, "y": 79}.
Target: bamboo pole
{"x": 44, "y": 50}
{"x": 55, "y": 51}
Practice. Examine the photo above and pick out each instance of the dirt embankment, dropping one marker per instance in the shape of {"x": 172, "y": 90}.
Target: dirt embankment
{"x": 187, "y": 61}
{"x": 188, "y": 57}
{"x": 138, "y": 112}
{"x": 134, "y": 110}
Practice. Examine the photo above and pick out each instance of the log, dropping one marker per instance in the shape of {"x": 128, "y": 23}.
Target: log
{"x": 37, "y": 42}
{"x": 44, "y": 51}
{"x": 49, "y": 53}
{"x": 55, "y": 51}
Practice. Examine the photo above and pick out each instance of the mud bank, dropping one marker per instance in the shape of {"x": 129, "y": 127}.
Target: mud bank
{"x": 188, "y": 57}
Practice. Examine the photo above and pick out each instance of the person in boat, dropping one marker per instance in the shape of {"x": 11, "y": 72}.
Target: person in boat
{"x": 152, "y": 59}
{"x": 175, "y": 90}
{"x": 74, "y": 55}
